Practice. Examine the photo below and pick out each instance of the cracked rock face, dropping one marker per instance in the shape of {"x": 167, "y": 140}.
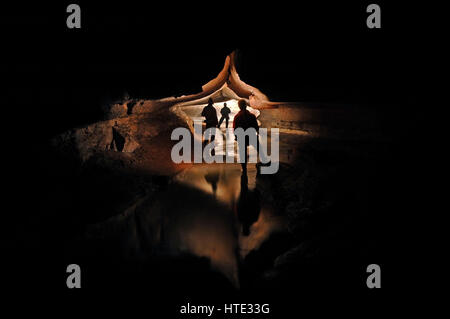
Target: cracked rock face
{"x": 122, "y": 140}
{"x": 119, "y": 135}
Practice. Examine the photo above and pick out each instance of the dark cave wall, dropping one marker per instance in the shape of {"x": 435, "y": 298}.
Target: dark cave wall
{"x": 321, "y": 120}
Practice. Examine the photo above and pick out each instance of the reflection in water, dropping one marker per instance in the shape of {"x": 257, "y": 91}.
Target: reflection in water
{"x": 248, "y": 205}
{"x": 212, "y": 177}
{"x": 209, "y": 211}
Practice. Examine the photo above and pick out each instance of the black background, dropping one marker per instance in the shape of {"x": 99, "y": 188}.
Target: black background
{"x": 56, "y": 78}
{"x": 291, "y": 51}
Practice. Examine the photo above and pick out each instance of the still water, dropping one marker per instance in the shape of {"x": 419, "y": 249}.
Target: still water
{"x": 207, "y": 210}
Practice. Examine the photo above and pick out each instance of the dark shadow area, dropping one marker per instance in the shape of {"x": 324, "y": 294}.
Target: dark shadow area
{"x": 144, "y": 241}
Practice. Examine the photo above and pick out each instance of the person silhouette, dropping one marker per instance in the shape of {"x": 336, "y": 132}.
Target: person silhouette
{"x": 225, "y": 111}
{"x": 248, "y": 205}
{"x": 210, "y": 114}
{"x": 245, "y": 120}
